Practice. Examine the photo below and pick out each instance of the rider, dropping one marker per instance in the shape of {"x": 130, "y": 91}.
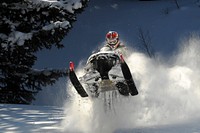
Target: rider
{"x": 113, "y": 43}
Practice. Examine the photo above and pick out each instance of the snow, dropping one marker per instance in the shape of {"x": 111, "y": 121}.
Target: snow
{"x": 26, "y": 119}
{"x": 19, "y": 37}
{"x": 168, "y": 85}
{"x": 64, "y": 24}
{"x": 69, "y": 5}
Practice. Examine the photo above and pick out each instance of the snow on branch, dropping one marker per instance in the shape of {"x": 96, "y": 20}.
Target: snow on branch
{"x": 26, "y": 27}
{"x": 69, "y": 5}
{"x": 19, "y": 38}
{"x": 64, "y": 24}
{"x": 32, "y": 16}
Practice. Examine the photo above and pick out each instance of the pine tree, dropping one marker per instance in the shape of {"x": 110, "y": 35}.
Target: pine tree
{"x": 26, "y": 27}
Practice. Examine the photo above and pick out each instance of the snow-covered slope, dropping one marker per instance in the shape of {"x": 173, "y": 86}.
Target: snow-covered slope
{"x": 46, "y": 119}
{"x": 168, "y": 85}
{"x": 29, "y": 119}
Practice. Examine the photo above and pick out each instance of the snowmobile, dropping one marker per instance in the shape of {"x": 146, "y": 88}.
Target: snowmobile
{"x": 104, "y": 71}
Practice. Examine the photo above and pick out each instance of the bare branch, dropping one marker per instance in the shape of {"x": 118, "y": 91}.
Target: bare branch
{"x": 177, "y": 4}
{"x": 145, "y": 41}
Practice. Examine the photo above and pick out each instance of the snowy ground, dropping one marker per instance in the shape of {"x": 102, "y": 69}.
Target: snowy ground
{"x": 51, "y": 119}
{"x": 29, "y": 119}
{"x": 169, "y": 88}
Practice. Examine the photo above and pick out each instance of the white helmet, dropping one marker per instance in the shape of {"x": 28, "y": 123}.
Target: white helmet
{"x": 112, "y": 37}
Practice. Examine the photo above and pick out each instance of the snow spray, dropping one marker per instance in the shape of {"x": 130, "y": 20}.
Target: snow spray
{"x": 169, "y": 92}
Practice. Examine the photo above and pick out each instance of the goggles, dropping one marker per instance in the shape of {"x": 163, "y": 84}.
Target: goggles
{"x": 112, "y": 35}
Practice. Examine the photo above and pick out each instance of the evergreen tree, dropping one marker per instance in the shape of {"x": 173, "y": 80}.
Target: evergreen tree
{"x": 26, "y": 27}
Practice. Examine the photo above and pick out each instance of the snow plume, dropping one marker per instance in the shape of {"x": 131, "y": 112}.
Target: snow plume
{"x": 169, "y": 92}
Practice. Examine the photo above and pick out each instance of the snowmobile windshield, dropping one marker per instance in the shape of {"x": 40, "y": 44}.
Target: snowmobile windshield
{"x": 109, "y": 55}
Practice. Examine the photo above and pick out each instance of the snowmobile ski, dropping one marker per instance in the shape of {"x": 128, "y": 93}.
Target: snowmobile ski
{"x": 128, "y": 77}
{"x": 74, "y": 80}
